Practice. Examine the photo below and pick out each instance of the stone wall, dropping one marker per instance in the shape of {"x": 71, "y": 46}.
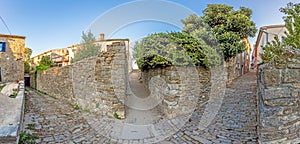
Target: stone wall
{"x": 279, "y": 99}
{"x": 11, "y": 61}
{"x": 111, "y": 77}
{"x": 236, "y": 67}
{"x": 183, "y": 89}
{"x": 96, "y": 84}
{"x": 56, "y": 82}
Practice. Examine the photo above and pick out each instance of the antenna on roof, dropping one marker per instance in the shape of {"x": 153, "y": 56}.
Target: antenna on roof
{"x": 5, "y": 24}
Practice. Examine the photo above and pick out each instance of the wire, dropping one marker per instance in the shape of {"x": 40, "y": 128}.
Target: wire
{"x": 5, "y": 24}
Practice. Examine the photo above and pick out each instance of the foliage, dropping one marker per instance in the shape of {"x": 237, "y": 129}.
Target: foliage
{"x": 42, "y": 68}
{"x": 14, "y": 95}
{"x": 27, "y": 54}
{"x": 27, "y": 138}
{"x": 116, "y": 116}
{"x": 229, "y": 26}
{"x": 196, "y": 27}
{"x": 292, "y": 23}
{"x": 30, "y": 126}
{"x": 77, "y": 107}
{"x": 88, "y": 47}
{"x": 1, "y": 87}
{"x": 27, "y": 67}
{"x": 47, "y": 61}
{"x": 152, "y": 61}
{"x": 175, "y": 48}
{"x": 272, "y": 51}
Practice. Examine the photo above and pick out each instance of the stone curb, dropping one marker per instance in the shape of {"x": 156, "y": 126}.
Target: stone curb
{"x": 10, "y": 134}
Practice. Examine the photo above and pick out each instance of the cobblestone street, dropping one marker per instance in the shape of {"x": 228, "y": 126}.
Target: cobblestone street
{"x": 56, "y": 121}
{"x": 235, "y": 122}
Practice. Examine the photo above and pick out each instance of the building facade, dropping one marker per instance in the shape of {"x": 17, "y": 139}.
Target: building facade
{"x": 59, "y": 56}
{"x": 266, "y": 35}
{"x": 11, "y": 58}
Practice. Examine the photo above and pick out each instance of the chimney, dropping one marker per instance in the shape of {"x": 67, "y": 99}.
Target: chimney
{"x": 101, "y": 37}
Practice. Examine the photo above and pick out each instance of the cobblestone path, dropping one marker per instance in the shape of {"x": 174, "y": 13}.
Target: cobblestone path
{"x": 236, "y": 121}
{"x": 55, "y": 121}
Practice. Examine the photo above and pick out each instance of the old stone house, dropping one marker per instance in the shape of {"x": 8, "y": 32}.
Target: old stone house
{"x": 11, "y": 57}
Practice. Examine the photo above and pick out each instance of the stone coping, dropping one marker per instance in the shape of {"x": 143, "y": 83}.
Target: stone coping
{"x": 11, "y": 116}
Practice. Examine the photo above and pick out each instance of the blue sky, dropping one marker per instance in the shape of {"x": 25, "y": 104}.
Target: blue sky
{"x": 50, "y": 24}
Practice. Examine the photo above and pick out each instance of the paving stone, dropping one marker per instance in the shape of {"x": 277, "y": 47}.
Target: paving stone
{"x": 57, "y": 122}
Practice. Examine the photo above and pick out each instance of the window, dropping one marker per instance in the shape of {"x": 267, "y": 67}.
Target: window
{"x": 2, "y": 46}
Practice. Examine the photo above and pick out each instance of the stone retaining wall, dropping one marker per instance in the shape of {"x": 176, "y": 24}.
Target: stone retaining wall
{"x": 234, "y": 68}
{"x": 183, "y": 89}
{"x": 96, "y": 84}
{"x": 279, "y": 99}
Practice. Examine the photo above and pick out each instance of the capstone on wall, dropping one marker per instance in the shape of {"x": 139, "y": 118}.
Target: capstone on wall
{"x": 279, "y": 99}
{"x": 96, "y": 84}
{"x": 11, "y": 61}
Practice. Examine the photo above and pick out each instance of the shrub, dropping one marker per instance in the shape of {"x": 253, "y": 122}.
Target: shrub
{"x": 177, "y": 49}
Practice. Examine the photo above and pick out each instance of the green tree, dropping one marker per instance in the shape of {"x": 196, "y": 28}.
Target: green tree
{"x": 88, "y": 47}
{"x": 227, "y": 26}
{"x": 27, "y": 55}
{"x": 47, "y": 61}
{"x": 272, "y": 51}
{"x": 292, "y": 23}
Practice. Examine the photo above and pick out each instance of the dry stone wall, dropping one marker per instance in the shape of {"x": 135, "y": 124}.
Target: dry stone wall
{"x": 182, "y": 89}
{"x": 56, "y": 82}
{"x": 279, "y": 99}
{"x": 96, "y": 84}
{"x": 111, "y": 77}
{"x": 233, "y": 69}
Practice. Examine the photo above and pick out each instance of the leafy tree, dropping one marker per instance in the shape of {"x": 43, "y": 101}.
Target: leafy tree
{"x": 88, "y": 47}
{"x": 229, "y": 27}
{"x": 292, "y": 23}
{"x": 197, "y": 28}
{"x": 47, "y": 61}
{"x": 176, "y": 48}
{"x": 272, "y": 51}
{"x": 27, "y": 54}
